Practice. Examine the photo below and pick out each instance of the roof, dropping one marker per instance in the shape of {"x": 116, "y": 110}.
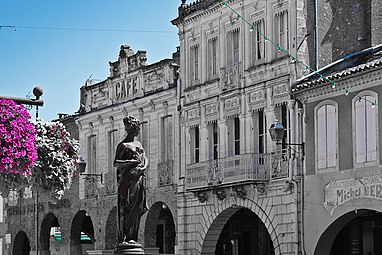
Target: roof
{"x": 350, "y": 64}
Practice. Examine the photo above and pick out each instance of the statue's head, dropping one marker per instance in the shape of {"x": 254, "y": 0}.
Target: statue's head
{"x": 132, "y": 125}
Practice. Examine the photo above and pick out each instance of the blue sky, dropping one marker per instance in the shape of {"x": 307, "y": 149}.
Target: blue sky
{"x": 39, "y": 53}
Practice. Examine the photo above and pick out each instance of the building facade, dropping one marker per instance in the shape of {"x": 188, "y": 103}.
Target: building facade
{"x": 86, "y": 217}
{"x": 237, "y": 190}
{"x": 343, "y": 212}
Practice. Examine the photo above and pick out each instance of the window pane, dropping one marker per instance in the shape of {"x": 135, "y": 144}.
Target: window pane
{"x": 360, "y": 134}
{"x": 371, "y": 131}
{"x": 331, "y": 136}
{"x": 321, "y": 138}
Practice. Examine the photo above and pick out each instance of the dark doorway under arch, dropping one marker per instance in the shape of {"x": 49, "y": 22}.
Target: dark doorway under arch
{"x": 81, "y": 234}
{"x": 21, "y": 244}
{"x": 362, "y": 235}
{"x": 50, "y": 221}
{"x": 244, "y": 234}
{"x": 160, "y": 229}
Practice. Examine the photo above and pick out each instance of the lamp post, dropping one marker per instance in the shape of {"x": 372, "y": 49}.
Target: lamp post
{"x": 81, "y": 163}
{"x": 277, "y": 132}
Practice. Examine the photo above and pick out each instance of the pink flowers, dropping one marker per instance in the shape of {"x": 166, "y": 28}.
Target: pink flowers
{"x": 18, "y": 150}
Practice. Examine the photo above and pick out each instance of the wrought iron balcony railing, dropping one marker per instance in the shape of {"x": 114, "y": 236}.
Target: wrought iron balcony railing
{"x": 246, "y": 167}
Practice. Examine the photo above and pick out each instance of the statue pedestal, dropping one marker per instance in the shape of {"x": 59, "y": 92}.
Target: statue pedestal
{"x": 129, "y": 248}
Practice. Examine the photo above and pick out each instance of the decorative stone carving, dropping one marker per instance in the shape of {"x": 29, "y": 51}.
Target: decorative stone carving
{"x": 202, "y": 196}
{"x": 261, "y": 188}
{"x": 240, "y": 192}
{"x": 220, "y": 194}
{"x": 90, "y": 187}
{"x": 230, "y": 77}
{"x": 212, "y": 112}
{"x": 110, "y": 183}
{"x": 279, "y": 165}
{"x": 232, "y": 106}
{"x": 165, "y": 172}
{"x": 214, "y": 173}
{"x": 193, "y": 113}
{"x": 256, "y": 100}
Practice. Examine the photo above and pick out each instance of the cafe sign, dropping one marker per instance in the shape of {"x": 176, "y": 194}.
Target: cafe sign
{"x": 342, "y": 191}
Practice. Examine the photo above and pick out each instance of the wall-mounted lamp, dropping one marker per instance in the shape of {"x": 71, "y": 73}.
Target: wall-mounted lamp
{"x": 81, "y": 163}
{"x": 277, "y": 132}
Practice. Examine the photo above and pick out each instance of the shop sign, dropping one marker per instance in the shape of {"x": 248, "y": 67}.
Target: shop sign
{"x": 342, "y": 191}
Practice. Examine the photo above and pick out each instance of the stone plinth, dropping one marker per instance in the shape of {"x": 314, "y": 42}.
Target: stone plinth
{"x": 100, "y": 252}
{"x": 129, "y": 248}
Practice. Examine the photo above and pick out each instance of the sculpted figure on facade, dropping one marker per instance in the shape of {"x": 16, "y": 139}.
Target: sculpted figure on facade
{"x": 131, "y": 162}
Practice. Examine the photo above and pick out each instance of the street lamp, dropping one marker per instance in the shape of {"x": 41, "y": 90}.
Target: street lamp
{"x": 81, "y": 163}
{"x": 277, "y": 132}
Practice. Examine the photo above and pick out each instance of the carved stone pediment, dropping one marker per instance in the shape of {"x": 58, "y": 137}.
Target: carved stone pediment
{"x": 232, "y": 106}
{"x": 212, "y": 112}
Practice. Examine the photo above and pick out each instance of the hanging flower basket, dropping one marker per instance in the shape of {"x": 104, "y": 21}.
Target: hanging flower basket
{"x": 57, "y": 158}
{"x": 18, "y": 151}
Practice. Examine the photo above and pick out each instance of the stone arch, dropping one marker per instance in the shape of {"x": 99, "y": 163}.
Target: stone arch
{"x": 165, "y": 195}
{"x": 21, "y": 244}
{"x": 111, "y": 229}
{"x": 213, "y": 215}
{"x": 160, "y": 215}
{"x": 328, "y": 236}
{"x": 50, "y": 220}
{"x": 81, "y": 223}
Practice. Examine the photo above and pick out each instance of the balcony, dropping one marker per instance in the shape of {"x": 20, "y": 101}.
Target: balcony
{"x": 237, "y": 169}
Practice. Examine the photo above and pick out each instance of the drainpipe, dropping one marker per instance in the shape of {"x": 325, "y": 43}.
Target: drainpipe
{"x": 300, "y": 112}
{"x": 315, "y": 34}
{"x": 292, "y": 171}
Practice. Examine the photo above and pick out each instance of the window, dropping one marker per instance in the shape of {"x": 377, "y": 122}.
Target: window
{"x": 233, "y": 47}
{"x": 281, "y": 112}
{"x": 212, "y": 59}
{"x": 258, "y": 42}
{"x": 112, "y": 147}
{"x": 194, "y": 63}
{"x": 166, "y": 143}
{"x": 196, "y": 145}
{"x": 144, "y": 136}
{"x": 234, "y": 136}
{"x": 260, "y": 131}
{"x": 282, "y": 30}
{"x": 365, "y": 129}
{"x": 92, "y": 153}
{"x": 326, "y": 136}
{"x": 213, "y": 138}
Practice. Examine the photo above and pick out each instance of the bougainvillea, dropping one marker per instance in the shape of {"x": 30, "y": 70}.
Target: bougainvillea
{"x": 18, "y": 151}
{"x": 57, "y": 158}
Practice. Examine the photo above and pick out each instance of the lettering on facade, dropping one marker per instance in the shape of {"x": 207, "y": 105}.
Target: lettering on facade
{"x": 339, "y": 192}
{"x": 63, "y": 203}
{"x": 24, "y": 209}
{"x": 125, "y": 88}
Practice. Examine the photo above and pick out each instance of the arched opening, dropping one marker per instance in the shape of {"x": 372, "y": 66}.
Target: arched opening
{"x": 243, "y": 234}
{"x": 160, "y": 229}
{"x": 111, "y": 230}
{"x": 21, "y": 245}
{"x": 81, "y": 234}
{"x": 50, "y": 235}
{"x": 357, "y": 232}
